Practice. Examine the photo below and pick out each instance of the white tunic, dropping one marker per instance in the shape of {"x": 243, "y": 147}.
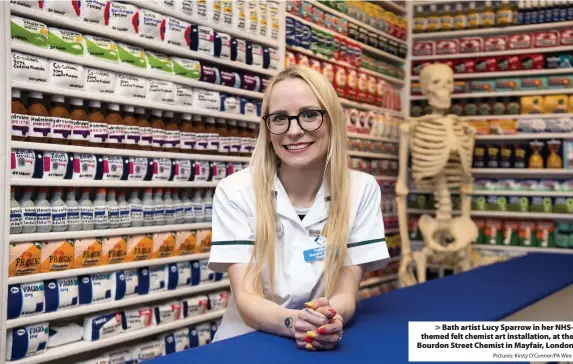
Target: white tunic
{"x": 296, "y": 280}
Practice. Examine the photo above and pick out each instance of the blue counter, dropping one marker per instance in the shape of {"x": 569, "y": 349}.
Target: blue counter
{"x": 379, "y": 330}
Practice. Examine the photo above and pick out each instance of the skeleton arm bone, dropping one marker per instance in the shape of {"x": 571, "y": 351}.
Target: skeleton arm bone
{"x": 466, "y": 187}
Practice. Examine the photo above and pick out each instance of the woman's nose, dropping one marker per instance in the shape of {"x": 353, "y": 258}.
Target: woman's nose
{"x": 294, "y": 129}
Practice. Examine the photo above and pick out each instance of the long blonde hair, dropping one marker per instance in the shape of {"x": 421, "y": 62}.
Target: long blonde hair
{"x": 263, "y": 166}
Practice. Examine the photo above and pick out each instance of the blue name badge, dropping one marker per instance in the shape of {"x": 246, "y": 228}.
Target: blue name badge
{"x": 315, "y": 254}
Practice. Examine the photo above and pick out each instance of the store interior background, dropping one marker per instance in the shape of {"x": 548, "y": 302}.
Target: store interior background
{"x": 178, "y": 93}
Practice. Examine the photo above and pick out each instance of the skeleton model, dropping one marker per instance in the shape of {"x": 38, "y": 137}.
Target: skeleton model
{"x": 441, "y": 148}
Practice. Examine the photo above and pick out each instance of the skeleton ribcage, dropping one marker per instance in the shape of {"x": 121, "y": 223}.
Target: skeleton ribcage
{"x": 438, "y": 145}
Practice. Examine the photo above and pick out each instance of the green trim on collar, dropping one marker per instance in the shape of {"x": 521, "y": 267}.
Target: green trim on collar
{"x": 234, "y": 242}
{"x": 365, "y": 242}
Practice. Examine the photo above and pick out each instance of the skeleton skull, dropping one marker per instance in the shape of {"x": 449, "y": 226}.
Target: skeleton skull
{"x": 437, "y": 83}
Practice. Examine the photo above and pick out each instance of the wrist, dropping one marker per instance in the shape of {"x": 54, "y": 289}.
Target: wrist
{"x": 289, "y": 322}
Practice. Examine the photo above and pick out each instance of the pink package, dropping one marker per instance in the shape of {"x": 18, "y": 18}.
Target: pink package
{"x": 471, "y": 45}
{"x": 548, "y": 38}
{"x": 520, "y": 41}
{"x": 417, "y": 67}
{"x": 352, "y": 120}
{"x": 425, "y": 48}
{"x": 566, "y": 37}
{"x": 448, "y": 46}
{"x": 495, "y": 44}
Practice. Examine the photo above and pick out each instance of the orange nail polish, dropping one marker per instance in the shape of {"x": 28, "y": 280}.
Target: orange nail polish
{"x": 321, "y": 331}
{"x": 332, "y": 310}
{"x": 308, "y": 339}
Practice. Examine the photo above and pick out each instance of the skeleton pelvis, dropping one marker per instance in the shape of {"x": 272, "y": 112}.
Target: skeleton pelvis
{"x": 458, "y": 233}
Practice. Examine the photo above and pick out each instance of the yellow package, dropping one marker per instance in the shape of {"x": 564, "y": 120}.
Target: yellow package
{"x": 57, "y": 255}
{"x": 570, "y": 105}
{"x": 503, "y": 126}
{"x": 163, "y": 245}
{"x": 185, "y": 242}
{"x": 555, "y": 104}
{"x": 25, "y": 258}
{"x": 532, "y": 105}
{"x": 204, "y": 241}
{"x": 87, "y": 252}
{"x": 114, "y": 250}
{"x": 481, "y": 126}
{"x": 139, "y": 247}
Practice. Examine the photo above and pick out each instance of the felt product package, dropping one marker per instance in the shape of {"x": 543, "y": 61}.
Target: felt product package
{"x": 29, "y": 68}
{"x": 202, "y": 39}
{"x": 25, "y": 299}
{"x": 95, "y": 288}
{"x": 122, "y": 17}
{"x": 167, "y": 312}
{"x": 120, "y": 356}
{"x": 99, "y": 81}
{"x": 58, "y": 165}
{"x": 64, "y": 333}
{"x": 222, "y": 45}
{"x": 133, "y": 56}
{"x": 29, "y": 31}
{"x": 160, "y": 91}
{"x": 66, "y": 41}
{"x": 131, "y": 86}
{"x": 163, "y": 245}
{"x": 102, "y": 325}
{"x": 239, "y": 50}
{"x": 178, "y": 274}
{"x": 152, "y": 279}
{"x": 185, "y": 242}
{"x": 93, "y": 12}
{"x": 204, "y": 333}
{"x": 218, "y": 300}
{"x": 25, "y": 341}
{"x": 147, "y": 351}
{"x": 158, "y": 61}
{"x": 24, "y": 259}
{"x": 104, "y": 359}
{"x": 254, "y": 56}
{"x": 210, "y": 74}
{"x": 150, "y": 24}
{"x": 176, "y": 32}
{"x": 207, "y": 100}
{"x": 124, "y": 283}
{"x": 114, "y": 250}
{"x": 68, "y": 8}
{"x": 139, "y": 247}
{"x": 61, "y": 293}
{"x": 175, "y": 342}
{"x": 57, "y": 255}
{"x": 195, "y": 306}
{"x": 88, "y": 166}
{"x": 26, "y": 164}
{"x": 186, "y": 68}
{"x": 100, "y": 47}
{"x": 136, "y": 318}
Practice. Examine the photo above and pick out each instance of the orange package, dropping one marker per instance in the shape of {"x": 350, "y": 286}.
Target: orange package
{"x": 203, "y": 241}
{"x": 87, "y": 252}
{"x": 114, "y": 250}
{"x": 139, "y": 247}
{"x": 57, "y": 255}
{"x": 185, "y": 242}
{"x": 25, "y": 258}
{"x": 163, "y": 245}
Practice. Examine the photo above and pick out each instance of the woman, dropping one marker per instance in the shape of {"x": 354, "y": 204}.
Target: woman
{"x": 297, "y": 230}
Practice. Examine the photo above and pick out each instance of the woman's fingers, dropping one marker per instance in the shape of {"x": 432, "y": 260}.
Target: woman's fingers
{"x": 313, "y": 317}
{"x": 334, "y": 327}
{"x": 316, "y": 303}
{"x": 304, "y": 326}
{"x": 327, "y": 311}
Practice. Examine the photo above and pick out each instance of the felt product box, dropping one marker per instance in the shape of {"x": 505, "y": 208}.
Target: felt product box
{"x": 520, "y": 41}
{"x": 471, "y": 45}
{"x": 534, "y": 83}
{"x": 495, "y": 44}
{"x": 448, "y": 46}
{"x": 424, "y": 48}
{"x": 548, "y": 38}
{"x": 25, "y": 299}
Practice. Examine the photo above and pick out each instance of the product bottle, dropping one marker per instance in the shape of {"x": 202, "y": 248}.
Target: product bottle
{"x": 419, "y": 20}
{"x": 446, "y": 19}
{"x": 146, "y": 139}
{"x": 187, "y": 135}
{"x": 505, "y": 14}
{"x": 212, "y": 136}
{"x": 159, "y": 207}
{"x": 200, "y": 135}
{"x": 534, "y": 14}
{"x": 254, "y": 133}
{"x": 20, "y": 120}
{"x": 473, "y": 16}
{"x": 545, "y": 11}
{"x": 569, "y": 6}
{"x": 208, "y": 203}
{"x": 520, "y": 15}
{"x": 101, "y": 210}
{"x": 136, "y": 209}
{"x": 73, "y": 210}
{"x": 59, "y": 211}
{"x": 563, "y": 10}
{"x": 148, "y": 207}
{"x": 556, "y": 11}
{"x": 80, "y": 124}
{"x": 16, "y": 216}
{"x": 40, "y": 122}
{"x": 87, "y": 210}
{"x": 113, "y": 209}
{"x": 43, "y": 211}
{"x": 223, "y": 132}
{"x": 29, "y": 211}
{"x": 488, "y": 15}
{"x": 198, "y": 206}
{"x": 158, "y": 130}
{"x": 234, "y": 139}
{"x": 433, "y": 24}
{"x": 132, "y": 130}
{"x": 116, "y": 129}
{"x": 460, "y": 21}
{"x": 98, "y": 126}
{"x": 245, "y": 138}
{"x": 61, "y": 121}
{"x": 172, "y": 133}
{"x": 169, "y": 207}
{"x": 124, "y": 210}
{"x": 189, "y": 213}
{"x": 178, "y": 206}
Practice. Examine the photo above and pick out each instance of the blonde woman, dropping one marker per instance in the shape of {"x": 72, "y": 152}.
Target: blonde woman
{"x": 297, "y": 230}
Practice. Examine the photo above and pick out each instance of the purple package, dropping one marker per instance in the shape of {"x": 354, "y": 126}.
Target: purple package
{"x": 251, "y": 83}
{"x": 264, "y": 82}
{"x": 231, "y": 79}
{"x": 210, "y": 74}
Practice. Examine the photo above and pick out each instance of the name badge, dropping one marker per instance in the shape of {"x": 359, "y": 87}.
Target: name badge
{"x": 312, "y": 255}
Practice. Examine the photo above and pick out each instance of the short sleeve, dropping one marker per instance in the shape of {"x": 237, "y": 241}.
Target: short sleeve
{"x": 366, "y": 242}
{"x": 232, "y": 239}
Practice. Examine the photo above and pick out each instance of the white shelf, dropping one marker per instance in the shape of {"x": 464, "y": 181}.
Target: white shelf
{"x": 501, "y": 30}
{"x": 355, "y": 21}
{"x": 105, "y": 268}
{"x": 149, "y": 5}
{"x": 523, "y": 73}
{"x": 16, "y": 238}
{"x": 371, "y": 137}
{"x": 526, "y": 136}
{"x": 377, "y": 280}
{"x": 124, "y": 152}
{"x": 526, "y": 172}
{"x": 521, "y": 249}
{"x": 158, "y": 46}
{"x": 106, "y": 183}
{"x": 85, "y": 346}
{"x": 113, "y": 305}
{"x": 368, "y": 107}
{"x": 491, "y": 54}
{"x": 523, "y": 193}
{"x": 392, "y": 231}
{"x": 391, "y": 5}
{"x": 365, "y": 47}
{"x": 372, "y": 155}
{"x": 129, "y": 101}
{"x": 504, "y": 214}
{"x": 345, "y": 64}
{"x": 131, "y": 70}
{"x": 386, "y": 178}
{"x": 504, "y": 93}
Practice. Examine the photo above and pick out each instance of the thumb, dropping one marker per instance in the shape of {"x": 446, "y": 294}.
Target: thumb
{"x": 316, "y": 303}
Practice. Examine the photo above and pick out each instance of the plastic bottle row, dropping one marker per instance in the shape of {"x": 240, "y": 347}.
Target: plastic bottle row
{"x": 106, "y": 208}
{"x": 62, "y": 121}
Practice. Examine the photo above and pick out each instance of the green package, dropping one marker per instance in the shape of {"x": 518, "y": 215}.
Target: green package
{"x": 563, "y": 205}
{"x": 541, "y": 204}
{"x": 158, "y": 62}
{"x": 527, "y": 234}
{"x": 186, "y": 67}
{"x": 29, "y": 31}
{"x": 99, "y": 47}
{"x": 518, "y": 204}
{"x": 478, "y": 203}
{"x": 496, "y": 203}
{"x": 562, "y": 235}
{"x": 134, "y": 56}
{"x": 511, "y": 233}
{"x": 66, "y": 41}
{"x": 314, "y": 40}
{"x": 494, "y": 232}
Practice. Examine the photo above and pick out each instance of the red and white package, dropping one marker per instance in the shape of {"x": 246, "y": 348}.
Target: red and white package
{"x": 508, "y": 63}
{"x": 495, "y": 44}
{"x": 548, "y": 38}
{"x": 362, "y": 92}
{"x": 488, "y": 64}
{"x": 380, "y": 91}
{"x": 328, "y": 71}
{"x": 447, "y": 46}
{"x": 352, "y": 120}
{"x": 425, "y": 48}
{"x": 302, "y": 59}
{"x": 465, "y": 65}
{"x": 520, "y": 41}
{"x": 566, "y": 37}
{"x": 315, "y": 65}
{"x": 290, "y": 58}
{"x": 449, "y": 62}
{"x": 532, "y": 61}
{"x": 340, "y": 80}
{"x": 357, "y": 55}
{"x": 471, "y": 45}
{"x": 351, "y": 84}
{"x": 371, "y": 90}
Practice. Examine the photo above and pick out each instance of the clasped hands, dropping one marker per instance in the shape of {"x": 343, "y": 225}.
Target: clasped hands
{"x": 318, "y": 326}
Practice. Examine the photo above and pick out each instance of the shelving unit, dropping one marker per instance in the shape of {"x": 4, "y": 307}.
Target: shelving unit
{"x": 504, "y": 214}
{"x": 565, "y": 91}
{"x": 492, "y": 54}
{"x": 368, "y": 107}
{"x": 525, "y": 136}
{"x": 370, "y": 137}
{"x": 353, "y": 153}
{"x": 524, "y": 73}
{"x": 106, "y": 183}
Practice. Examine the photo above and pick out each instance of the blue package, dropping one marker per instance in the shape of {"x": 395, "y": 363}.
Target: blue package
{"x": 238, "y": 50}
{"x": 61, "y": 293}
{"x": 230, "y": 79}
{"x": 101, "y": 326}
{"x": 25, "y": 299}
{"x": 290, "y": 31}
{"x": 27, "y": 340}
{"x": 222, "y": 45}
{"x": 195, "y": 272}
{"x": 87, "y": 167}
{"x": 94, "y": 288}
{"x": 298, "y": 32}
{"x": 266, "y": 58}
{"x": 247, "y": 107}
{"x": 230, "y": 104}
{"x": 151, "y": 279}
{"x": 58, "y": 165}
{"x": 26, "y": 163}
{"x": 305, "y": 35}
{"x": 260, "y": 103}
{"x": 193, "y": 337}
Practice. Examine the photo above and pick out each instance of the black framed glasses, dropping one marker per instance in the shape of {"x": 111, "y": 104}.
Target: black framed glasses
{"x": 308, "y": 120}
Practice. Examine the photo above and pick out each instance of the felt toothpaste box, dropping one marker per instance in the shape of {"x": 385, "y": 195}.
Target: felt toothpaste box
{"x": 122, "y": 17}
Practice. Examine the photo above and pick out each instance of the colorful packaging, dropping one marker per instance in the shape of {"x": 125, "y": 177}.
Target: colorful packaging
{"x": 520, "y": 41}
{"x": 204, "y": 238}
{"x": 150, "y": 24}
{"x": 465, "y": 65}
{"x": 471, "y": 45}
{"x": 25, "y": 258}
{"x": 566, "y": 36}
{"x": 93, "y": 12}
{"x": 57, "y": 255}
{"x": 544, "y": 231}
{"x": 114, "y": 250}
{"x": 532, "y": 61}
{"x": 122, "y": 17}
{"x": 29, "y": 31}
{"x": 176, "y": 32}
{"x": 532, "y": 105}
{"x": 510, "y": 233}
{"x": 424, "y": 48}
{"x": 548, "y": 38}
{"x": 69, "y": 9}
{"x": 99, "y": 47}
{"x": 340, "y": 80}
{"x": 493, "y": 232}
{"x": 139, "y": 247}
{"x": 163, "y": 245}
{"x": 495, "y": 44}
{"x": 486, "y": 65}
{"x": 448, "y": 46}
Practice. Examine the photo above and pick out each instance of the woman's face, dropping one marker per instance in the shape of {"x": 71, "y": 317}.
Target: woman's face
{"x": 297, "y": 147}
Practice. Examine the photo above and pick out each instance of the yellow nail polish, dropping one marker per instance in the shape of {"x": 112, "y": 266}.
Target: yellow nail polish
{"x": 309, "y": 347}
{"x": 311, "y": 334}
{"x": 308, "y": 305}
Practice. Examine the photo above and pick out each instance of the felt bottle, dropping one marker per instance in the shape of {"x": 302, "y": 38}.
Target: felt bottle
{"x": 86, "y": 210}
{"x": 189, "y": 213}
{"x": 101, "y": 211}
{"x": 148, "y": 207}
{"x": 43, "y": 211}
{"x": 113, "y": 208}
{"x": 198, "y": 206}
{"x": 208, "y": 203}
{"x": 178, "y": 206}
{"x": 159, "y": 207}
{"x": 29, "y": 211}
{"x": 59, "y": 211}
{"x": 169, "y": 208}
{"x": 16, "y": 217}
{"x": 124, "y": 210}
{"x": 136, "y": 208}
{"x": 73, "y": 211}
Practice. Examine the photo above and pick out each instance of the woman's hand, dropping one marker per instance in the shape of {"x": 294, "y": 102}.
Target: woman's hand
{"x": 318, "y": 326}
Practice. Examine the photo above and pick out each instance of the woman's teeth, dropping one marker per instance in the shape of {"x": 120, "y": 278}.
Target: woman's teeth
{"x": 297, "y": 146}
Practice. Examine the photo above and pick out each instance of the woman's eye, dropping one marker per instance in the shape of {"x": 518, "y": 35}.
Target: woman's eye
{"x": 309, "y": 114}
{"x": 278, "y": 118}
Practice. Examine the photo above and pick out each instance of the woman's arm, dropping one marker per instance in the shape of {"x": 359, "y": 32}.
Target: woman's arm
{"x": 344, "y": 297}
